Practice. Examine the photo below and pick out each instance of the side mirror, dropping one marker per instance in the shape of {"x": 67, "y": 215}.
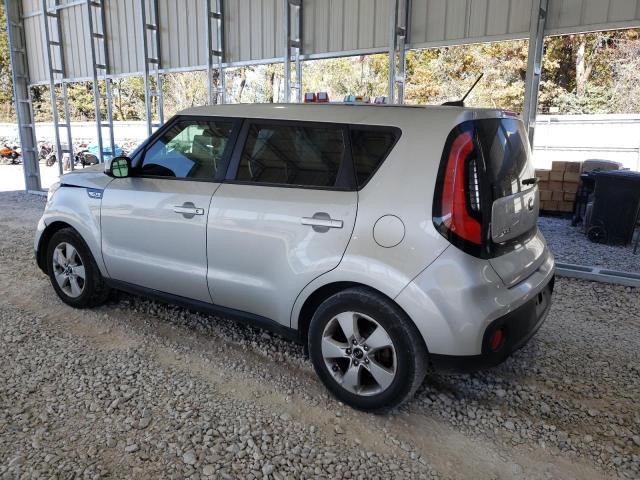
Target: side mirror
{"x": 119, "y": 167}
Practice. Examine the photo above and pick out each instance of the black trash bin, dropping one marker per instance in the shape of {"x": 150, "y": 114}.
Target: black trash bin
{"x": 615, "y": 207}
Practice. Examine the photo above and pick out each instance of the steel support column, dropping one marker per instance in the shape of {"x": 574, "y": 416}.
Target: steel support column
{"x": 100, "y": 70}
{"x": 22, "y": 95}
{"x": 534, "y": 65}
{"x": 152, "y": 64}
{"x": 399, "y": 37}
{"x": 293, "y": 48}
{"x": 215, "y": 56}
{"x": 56, "y": 67}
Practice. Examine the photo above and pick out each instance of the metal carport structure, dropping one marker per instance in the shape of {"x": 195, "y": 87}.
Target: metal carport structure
{"x": 56, "y": 42}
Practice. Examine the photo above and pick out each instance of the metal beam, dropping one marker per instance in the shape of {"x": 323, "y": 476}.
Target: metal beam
{"x": 398, "y": 40}
{"x": 56, "y": 66}
{"x": 100, "y": 70}
{"x": 598, "y": 274}
{"x": 534, "y": 65}
{"x": 292, "y": 48}
{"x": 152, "y": 65}
{"x": 22, "y": 95}
{"x": 215, "y": 52}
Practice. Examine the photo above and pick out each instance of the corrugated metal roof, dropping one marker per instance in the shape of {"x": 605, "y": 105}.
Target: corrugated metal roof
{"x": 254, "y": 29}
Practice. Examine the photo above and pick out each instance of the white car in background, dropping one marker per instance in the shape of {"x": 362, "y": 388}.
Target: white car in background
{"x": 388, "y": 240}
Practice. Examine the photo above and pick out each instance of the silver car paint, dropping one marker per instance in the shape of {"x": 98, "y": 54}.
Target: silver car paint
{"x": 450, "y": 295}
{"x": 147, "y": 243}
{"x": 73, "y": 206}
{"x": 260, "y": 252}
{"x": 455, "y": 298}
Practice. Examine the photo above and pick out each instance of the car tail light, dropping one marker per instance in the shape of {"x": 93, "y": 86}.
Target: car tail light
{"x": 456, "y": 210}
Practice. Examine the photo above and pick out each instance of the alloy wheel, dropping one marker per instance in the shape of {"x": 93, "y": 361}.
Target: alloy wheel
{"x": 68, "y": 269}
{"x": 359, "y": 353}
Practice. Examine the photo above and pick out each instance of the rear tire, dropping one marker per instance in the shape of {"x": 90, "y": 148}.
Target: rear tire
{"x": 366, "y": 350}
{"x": 73, "y": 272}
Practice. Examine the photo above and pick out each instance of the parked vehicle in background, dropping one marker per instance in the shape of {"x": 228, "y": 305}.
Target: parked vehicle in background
{"x": 388, "y": 240}
{"x": 11, "y": 154}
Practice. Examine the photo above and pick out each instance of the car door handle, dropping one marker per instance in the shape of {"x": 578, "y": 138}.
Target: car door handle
{"x": 321, "y": 222}
{"x": 188, "y": 210}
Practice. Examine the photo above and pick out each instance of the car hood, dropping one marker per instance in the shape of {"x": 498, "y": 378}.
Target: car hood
{"x": 89, "y": 177}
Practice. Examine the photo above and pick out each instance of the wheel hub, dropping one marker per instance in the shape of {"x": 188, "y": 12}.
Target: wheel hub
{"x": 359, "y": 353}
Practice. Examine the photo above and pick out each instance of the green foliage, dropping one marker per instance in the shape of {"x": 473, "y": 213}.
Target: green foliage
{"x": 6, "y": 82}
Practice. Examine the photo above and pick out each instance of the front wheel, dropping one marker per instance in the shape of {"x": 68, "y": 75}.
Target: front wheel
{"x": 73, "y": 271}
{"x": 366, "y": 350}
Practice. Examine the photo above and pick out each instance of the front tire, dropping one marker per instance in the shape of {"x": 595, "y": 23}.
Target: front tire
{"x": 73, "y": 272}
{"x": 366, "y": 350}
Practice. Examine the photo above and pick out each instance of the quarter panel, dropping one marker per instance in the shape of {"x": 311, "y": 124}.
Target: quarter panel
{"x": 458, "y": 296}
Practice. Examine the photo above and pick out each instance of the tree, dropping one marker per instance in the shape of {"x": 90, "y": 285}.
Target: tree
{"x": 6, "y": 79}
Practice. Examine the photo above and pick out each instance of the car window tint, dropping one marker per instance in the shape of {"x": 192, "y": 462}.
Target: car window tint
{"x": 189, "y": 149}
{"x": 369, "y": 148}
{"x": 292, "y": 155}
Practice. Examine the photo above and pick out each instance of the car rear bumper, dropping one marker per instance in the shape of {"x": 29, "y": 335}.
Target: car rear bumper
{"x": 518, "y": 326}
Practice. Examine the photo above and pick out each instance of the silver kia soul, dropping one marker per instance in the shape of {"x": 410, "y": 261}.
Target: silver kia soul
{"x": 388, "y": 240}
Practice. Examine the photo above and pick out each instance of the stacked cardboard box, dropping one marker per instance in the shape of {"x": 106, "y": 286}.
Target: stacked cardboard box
{"x": 558, "y": 186}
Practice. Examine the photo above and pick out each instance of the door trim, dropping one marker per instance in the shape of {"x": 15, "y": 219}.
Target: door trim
{"x": 247, "y": 318}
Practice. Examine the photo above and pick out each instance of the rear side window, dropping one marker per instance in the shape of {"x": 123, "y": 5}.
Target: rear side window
{"x": 506, "y": 154}
{"x": 293, "y": 155}
{"x": 369, "y": 148}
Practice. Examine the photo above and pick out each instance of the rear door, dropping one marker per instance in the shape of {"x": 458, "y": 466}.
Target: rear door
{"x": 510, "y": 178}
{"x": 154, "y": 222}
{"x": 283, "y": 216}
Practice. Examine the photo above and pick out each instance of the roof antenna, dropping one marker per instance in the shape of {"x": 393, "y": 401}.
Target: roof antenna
{"x": 460, "y": 103}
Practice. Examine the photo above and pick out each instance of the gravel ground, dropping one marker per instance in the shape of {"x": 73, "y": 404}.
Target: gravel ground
{"x": 139, "y": 389}
{"x": 570, "y": 245}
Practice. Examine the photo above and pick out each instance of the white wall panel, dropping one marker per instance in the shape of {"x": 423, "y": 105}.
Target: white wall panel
{"x": 183, "y": 33}
{"x": 573, "y": 16}
{"x": 254, "y": 29}
{"x": 345, "y": 25}
{"x": 445, "y": 22}
{"x": 75, "y": 33}
{"x": 124, "y": 36}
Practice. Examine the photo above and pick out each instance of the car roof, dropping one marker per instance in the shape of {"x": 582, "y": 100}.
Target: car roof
{"x": 340, "y": 112}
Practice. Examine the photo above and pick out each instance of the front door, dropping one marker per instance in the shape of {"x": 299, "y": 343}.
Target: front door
{"x": 283, "y": 217}
{"x": 154, "y": 222}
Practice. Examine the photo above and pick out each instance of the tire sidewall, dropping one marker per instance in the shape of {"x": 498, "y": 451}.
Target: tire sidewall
{"x": 92, "y": 275}
{"x": 392, "y": 321}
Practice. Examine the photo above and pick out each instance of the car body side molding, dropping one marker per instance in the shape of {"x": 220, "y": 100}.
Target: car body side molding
{"x": 208, "y": 308}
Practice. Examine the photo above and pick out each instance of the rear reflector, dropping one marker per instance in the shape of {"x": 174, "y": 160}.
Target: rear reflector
{"x": 497, "y": 339}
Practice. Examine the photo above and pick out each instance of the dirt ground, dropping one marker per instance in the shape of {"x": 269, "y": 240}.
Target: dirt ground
{"x": 139, "y": 389}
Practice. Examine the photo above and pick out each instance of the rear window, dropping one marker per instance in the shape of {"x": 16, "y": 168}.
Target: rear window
{"x": 293, "y": 155}
{"x": 369, "y": 148}
{"x": 506, "y": 154}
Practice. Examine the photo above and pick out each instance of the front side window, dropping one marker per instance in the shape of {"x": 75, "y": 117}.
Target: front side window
{"x": 292, "y": 155}
{"x": 189, "y": 149}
